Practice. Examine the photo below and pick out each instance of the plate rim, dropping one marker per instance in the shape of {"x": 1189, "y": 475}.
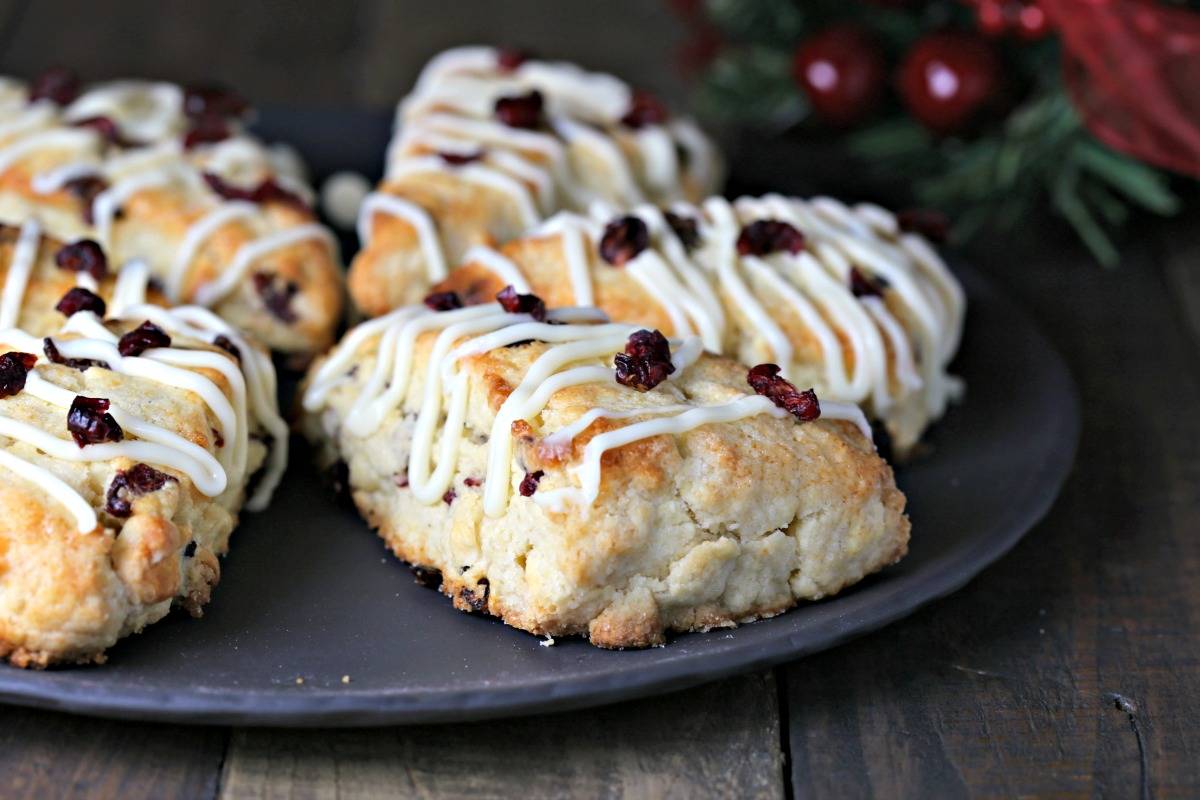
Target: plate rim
{"x": 952, "y": 569}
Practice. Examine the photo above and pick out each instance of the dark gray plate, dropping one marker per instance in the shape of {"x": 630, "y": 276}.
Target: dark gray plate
{"x": 308, "y": 592}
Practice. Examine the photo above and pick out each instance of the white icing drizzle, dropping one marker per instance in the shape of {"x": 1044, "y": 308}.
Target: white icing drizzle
{"x": 19, "y": 268}
{"x": 211, "y": 293}
{"x": 251, "y": 385}
{"x": 584, "y": 155}
{"x": 150, "y": 114}
{"x": 415, "y": 216}
{"x": 581, "y": 345}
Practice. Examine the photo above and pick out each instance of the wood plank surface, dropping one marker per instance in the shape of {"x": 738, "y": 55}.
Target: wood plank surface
{"x": 1070, "y": 667}
{"x": 44, "y": 754}
{"x": 717, "y": 741}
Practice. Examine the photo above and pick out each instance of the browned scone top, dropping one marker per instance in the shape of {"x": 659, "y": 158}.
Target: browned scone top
{"x": 154, "y": 174}
{"x": 721, "y": 524}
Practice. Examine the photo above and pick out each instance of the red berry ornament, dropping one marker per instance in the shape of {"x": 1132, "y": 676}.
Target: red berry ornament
{"x": 948, "y": 79}
{"x": 842, "y": 71}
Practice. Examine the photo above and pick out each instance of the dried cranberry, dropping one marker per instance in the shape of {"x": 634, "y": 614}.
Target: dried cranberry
{"x": 530, "y": 482}
{"x": 443, "y": 301}
{"x": 509, "y": 59}
{"x": 862, "y": 286}
{"x": 89, "y": 422}
{"x": 141, "y": 339}
{"x": 448, "y": 497}
{"x": 933, "y": 225}
{"x": 276, "y": 294}
{"x": 85, "y": 189}
{"x": 686, "y": 228}
{"x": 624, "y": 238}
{"x": 55, "y": 357}
{"x": 104, "y": 126}
{"x": 225, "y": 343}
{"x": 213, "y": 101}
{"x": 14, "y": 368}
{"x": 644, "y": 109}
{"x": 521, "y": 111}
{"x": 515, "y": 303}
{"x": 477, "y": 600}
{"x": 458, "y": 159}
{"x": 646, "y": 361}
{"x": 84, "y": 255}
{"x": 426, "y": 576}
{"x": 269, "y": 191}
{"x": 766, "y": 381}
{"x": 768, "y": 236}
{"x": 473, "y": 482}
{"x": 206, "y": 130}
{"x": 57, "y": 84}
{"x": 137, "y": 480}
{"x": 401, "y": 479}
{"x": 80, "y": 299}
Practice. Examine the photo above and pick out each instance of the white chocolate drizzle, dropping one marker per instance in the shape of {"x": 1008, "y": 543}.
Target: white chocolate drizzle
{"x": 581, "y": 347}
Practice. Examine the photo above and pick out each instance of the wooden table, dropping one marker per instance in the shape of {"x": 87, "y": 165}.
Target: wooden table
{"x": 1070, "y": 668}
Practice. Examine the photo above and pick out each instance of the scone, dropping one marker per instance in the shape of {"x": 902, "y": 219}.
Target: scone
{"x": 157, "y": 173}
{"x": 850, "y": 300}
{"x": 130, "y": 437}
{"x": 575, "y": 476}
{"x": 490, "y": 142}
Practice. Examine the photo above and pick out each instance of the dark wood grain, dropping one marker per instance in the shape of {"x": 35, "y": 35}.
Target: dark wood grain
{"x": 45, "y": 754}
{"x": 1069, "y": 668}
{"x": 717, "y": 741}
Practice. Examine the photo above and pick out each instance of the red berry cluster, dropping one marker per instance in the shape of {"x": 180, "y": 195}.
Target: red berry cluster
{"x": 1022, "y": 18}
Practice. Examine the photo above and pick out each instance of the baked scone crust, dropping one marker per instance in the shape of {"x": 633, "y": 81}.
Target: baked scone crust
{"x": 723, "y": 524}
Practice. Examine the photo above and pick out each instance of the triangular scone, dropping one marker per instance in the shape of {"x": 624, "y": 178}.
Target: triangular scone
{"x": 503, "y": 453}
{"x": 841, "y": 298}
{"x": 129, "y": 437}
{"x": 167, "y": 176}
{"x": 489, "y": 142}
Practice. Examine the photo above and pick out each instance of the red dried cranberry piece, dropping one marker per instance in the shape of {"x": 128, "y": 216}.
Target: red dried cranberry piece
{"x": 269, "y": 191}
{"x": 644, "y": 109}
{"x": 89, "y": 422}
{"x": 225, "y": 343}
{"x": 276, "y": 294}
{"x": 83, "y": 256}
{"x": 530, "y": 482}
{"x": 14, "y": 368}
{"x": 443, "y": 301}
{"x": 85, "y": 189}
{"x": 766, "y": 381}
{"x": 473, "y": 482}
{"x": 206, "y": 130}
{"x": 768, "y": 236}
{"x": 141, "y": 339}
{"x": 55, "y": 357}
{"x": 138, "y": 480}
{"x": 933, "y": 225}
{"x": 522, "y": 111}
{"x": 104, "y": 126}
{"x": 401, "y": 479}
{"x": 515, "y": 303}
{"x": 448, "y": 497}
{"x": 646, "y": 361}
{"x": 624, "y": 238}
{"x": 80, "y": 299}
{"x": 57, "y": 84}
{"x": 686, "y": 228}
{"x": 862, "y": 286}
{"x": 509, "y": 59}
{"x": 458, "y": 159}
{"x": 227, "y": 190}
{"x": 213, "y": 101}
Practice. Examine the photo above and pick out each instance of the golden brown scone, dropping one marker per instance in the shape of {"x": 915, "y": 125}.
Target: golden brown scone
{"x": 737, "y": 512}
{"x": 114, "y": 507}
{"x": 489, "y": 142}
{"x": 164, "y": 175}
{"x": 843, "y": 298}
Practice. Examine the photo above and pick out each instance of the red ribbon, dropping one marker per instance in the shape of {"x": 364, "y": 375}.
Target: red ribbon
{"x": 1132, "y": 68}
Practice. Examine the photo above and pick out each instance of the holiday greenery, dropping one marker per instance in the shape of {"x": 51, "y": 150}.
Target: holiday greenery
{"x": 963, "y": 99}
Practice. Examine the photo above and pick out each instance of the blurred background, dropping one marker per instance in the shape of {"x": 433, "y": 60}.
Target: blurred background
{"x": 995, "y": 113}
